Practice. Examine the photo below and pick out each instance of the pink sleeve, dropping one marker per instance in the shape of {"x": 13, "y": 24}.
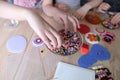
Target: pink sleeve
{"x": 25, "y": 3}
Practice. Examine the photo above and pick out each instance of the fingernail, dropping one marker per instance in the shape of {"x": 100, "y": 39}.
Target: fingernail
{"x": 78, "y": 26}
{"x": 51, "y": 48}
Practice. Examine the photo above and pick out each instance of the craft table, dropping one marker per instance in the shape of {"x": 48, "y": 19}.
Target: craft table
{"x": 38, "y": 63}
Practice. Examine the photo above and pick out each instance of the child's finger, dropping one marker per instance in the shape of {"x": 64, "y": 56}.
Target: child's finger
{"x": 77, "y": 15}
{"x": 102, "y": 10}
{"x": 81, "y": 17}
{"x": 65, "y": 22}
{"x": 58, "y": 37}
{"x": 59, "y": 20}
{"x": 72, "y": 20}
{"x": 114, "y": 19}
{"x": 46, "y": 41}
{"x": 118, "y": 20}
{"x": 52, "y": 38}
{"x": 106, "y": 7}
{"x": 77, "y": 22}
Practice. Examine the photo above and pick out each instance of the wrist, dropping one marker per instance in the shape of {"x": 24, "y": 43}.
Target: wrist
{"x": 49, "y": 10}
{"x": 87, "y": 6}
{"x": 34, "y": 20}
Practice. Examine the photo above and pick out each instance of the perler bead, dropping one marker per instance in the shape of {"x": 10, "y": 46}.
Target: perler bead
{"x": 71, "y": 44}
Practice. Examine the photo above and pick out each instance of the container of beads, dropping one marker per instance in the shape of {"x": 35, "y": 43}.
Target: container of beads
{"x": 71, "y": 44}
{"x": 107, "y": 24}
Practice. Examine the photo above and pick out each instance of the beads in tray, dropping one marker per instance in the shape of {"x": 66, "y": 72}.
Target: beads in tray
{"x": 71, "y": 44}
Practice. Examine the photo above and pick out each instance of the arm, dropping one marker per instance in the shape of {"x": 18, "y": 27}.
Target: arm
{"x": 60, "y": 16}
{"x": 82, "y": 11}
{"x": 93, "y": 3}
{"x": 10, "y": 11}
{"x": 48, "y": 6}
{"x": 41, "y": 27}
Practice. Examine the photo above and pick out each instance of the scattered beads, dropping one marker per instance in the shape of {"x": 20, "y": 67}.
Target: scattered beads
{"x": 71, "y": 45}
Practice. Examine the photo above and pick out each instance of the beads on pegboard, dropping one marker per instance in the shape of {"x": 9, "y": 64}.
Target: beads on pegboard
{"x": 102, "y": 73}
{"x": 92, "y": 38}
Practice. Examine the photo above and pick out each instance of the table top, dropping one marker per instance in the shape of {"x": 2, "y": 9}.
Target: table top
{"x": 38, "y": 63}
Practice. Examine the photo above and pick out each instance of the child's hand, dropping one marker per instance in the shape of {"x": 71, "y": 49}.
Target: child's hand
{"x": 116, "y": 19}
{"x": 61, "y": 17}
{"x": 81, "y": 12}
{"x": 103, "y": 7}
{"x": 49, "y": 35}
{"x": 33, "y": 17}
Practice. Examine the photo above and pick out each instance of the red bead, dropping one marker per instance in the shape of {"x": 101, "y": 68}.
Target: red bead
{"x": 84, "y": 49}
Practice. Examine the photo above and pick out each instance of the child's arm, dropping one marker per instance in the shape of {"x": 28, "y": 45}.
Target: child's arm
{"x": 10, "y": 11}
{"x": 81, "y": 12}
{"x": 42, "y": 28}
{"x": 59, "y": 15}
{"x": 93, "y": 4}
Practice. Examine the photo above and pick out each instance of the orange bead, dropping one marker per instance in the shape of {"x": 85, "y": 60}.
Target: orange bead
{"x": 84, "y": 49}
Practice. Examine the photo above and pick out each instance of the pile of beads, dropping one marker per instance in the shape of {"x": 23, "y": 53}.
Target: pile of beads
{"x": 71, "y": 44}
{"x": 107, "y": 24}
